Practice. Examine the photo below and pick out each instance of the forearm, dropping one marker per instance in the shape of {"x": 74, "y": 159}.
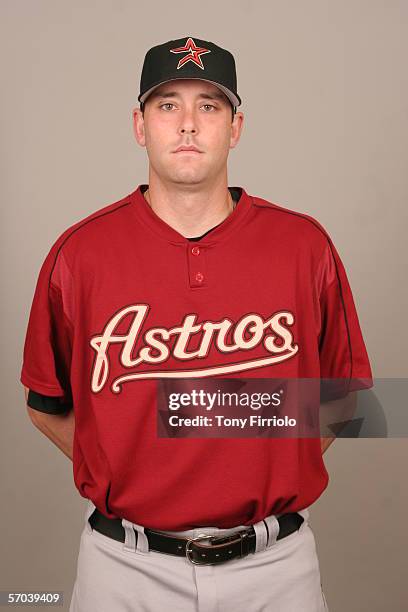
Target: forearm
{"x": 59, "y": 428}
{"x": 334, "y": 416}
{"x": 325, "y": 443}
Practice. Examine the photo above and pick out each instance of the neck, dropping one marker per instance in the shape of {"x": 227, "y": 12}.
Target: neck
{"x": 191, "y": 211}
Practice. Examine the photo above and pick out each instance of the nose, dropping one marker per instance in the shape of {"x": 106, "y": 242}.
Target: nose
{"x": 188, "y": 122}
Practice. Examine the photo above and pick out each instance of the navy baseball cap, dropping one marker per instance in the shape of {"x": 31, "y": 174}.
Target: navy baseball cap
{"x": 189, "y": 58}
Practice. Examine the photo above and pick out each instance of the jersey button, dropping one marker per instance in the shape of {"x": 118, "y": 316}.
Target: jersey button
{"x": 195, "y": 250}
{"x": 199, "y": 277}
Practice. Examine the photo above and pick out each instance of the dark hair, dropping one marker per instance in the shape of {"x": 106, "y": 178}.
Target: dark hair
{"x": 233, "y": 109}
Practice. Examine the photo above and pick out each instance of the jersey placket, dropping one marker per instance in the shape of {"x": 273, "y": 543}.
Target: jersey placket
{"x": 196, "y": 261}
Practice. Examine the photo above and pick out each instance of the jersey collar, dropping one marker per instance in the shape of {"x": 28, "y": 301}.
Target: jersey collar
{"x": 140, "y": 207}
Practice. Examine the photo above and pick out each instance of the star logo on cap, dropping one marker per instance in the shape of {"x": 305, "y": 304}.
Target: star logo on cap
{"x": 194, "y": 53}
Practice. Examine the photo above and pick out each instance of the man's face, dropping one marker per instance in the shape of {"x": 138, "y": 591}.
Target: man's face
{"x": 187, "y": 112}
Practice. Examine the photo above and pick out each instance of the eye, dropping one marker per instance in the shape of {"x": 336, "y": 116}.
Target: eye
{"x": 208, "y": 106}
{"x": 166, "y": 104}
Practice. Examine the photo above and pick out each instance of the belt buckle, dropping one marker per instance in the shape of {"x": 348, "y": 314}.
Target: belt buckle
{"x": 201, "y": 536}
{"x": 232, "y": 540}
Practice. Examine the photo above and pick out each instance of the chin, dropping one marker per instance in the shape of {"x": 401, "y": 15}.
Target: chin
{"x": 188, "y": 177}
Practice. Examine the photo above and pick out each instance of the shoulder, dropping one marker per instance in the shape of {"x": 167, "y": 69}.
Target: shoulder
{"x": 298, "y": 225}
{"x": 88, "y": 232}
{"x": 99, "y": 220}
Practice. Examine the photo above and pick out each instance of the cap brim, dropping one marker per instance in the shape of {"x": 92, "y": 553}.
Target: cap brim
{"x": 233, "y": 98}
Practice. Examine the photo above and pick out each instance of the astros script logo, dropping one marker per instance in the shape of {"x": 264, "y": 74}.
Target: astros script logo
{"x": 154, "y": 345}
{"x": 194, "y": 53}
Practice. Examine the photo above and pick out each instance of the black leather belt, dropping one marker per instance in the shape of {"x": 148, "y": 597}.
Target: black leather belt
{"x": 220, "y": 548}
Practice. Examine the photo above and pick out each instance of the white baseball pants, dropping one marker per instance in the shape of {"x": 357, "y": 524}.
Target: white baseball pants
{"x": 281, "y": 576}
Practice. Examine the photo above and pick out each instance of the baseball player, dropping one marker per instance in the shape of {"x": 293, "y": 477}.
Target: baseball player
{"x": 188, "y": 278}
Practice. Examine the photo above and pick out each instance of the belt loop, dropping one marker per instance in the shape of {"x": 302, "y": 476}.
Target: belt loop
{"x": 89, "y": 510}
{"x": 141, "y": 543}
{"x": 261, "y": 536}
{"x": 273, "y": 529}
{"x": 130, "y": 536}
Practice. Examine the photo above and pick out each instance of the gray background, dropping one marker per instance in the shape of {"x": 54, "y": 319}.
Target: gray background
{"x": 324, "y": 92}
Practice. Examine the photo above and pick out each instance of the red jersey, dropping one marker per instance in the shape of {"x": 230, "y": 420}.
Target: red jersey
{"x": 122, "y": 298}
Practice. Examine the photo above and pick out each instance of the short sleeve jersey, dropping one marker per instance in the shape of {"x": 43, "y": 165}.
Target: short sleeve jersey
{"x": 123, "y": 299}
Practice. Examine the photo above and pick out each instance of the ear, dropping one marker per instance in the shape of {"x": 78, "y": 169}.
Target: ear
{"x": 138, "y": 126}
{"x": 236, "y": 128}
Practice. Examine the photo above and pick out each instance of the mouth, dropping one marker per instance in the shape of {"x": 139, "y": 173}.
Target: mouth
{"x": 188, "y": 150}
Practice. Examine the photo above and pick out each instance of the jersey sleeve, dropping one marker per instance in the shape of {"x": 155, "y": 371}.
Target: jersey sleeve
{"x": 47, "y": 352}
{"x": 48, "y": 404}
{"x": 344, "y": 362}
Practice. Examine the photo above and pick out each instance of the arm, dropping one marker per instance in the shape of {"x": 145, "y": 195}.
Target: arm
{"x": 333, "y": 414}
{"x": 325, "y": 443}
{"x": 59, "y": 428}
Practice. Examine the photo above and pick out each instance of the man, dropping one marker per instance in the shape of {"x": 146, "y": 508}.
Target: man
{"x": 187, "y": 279}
